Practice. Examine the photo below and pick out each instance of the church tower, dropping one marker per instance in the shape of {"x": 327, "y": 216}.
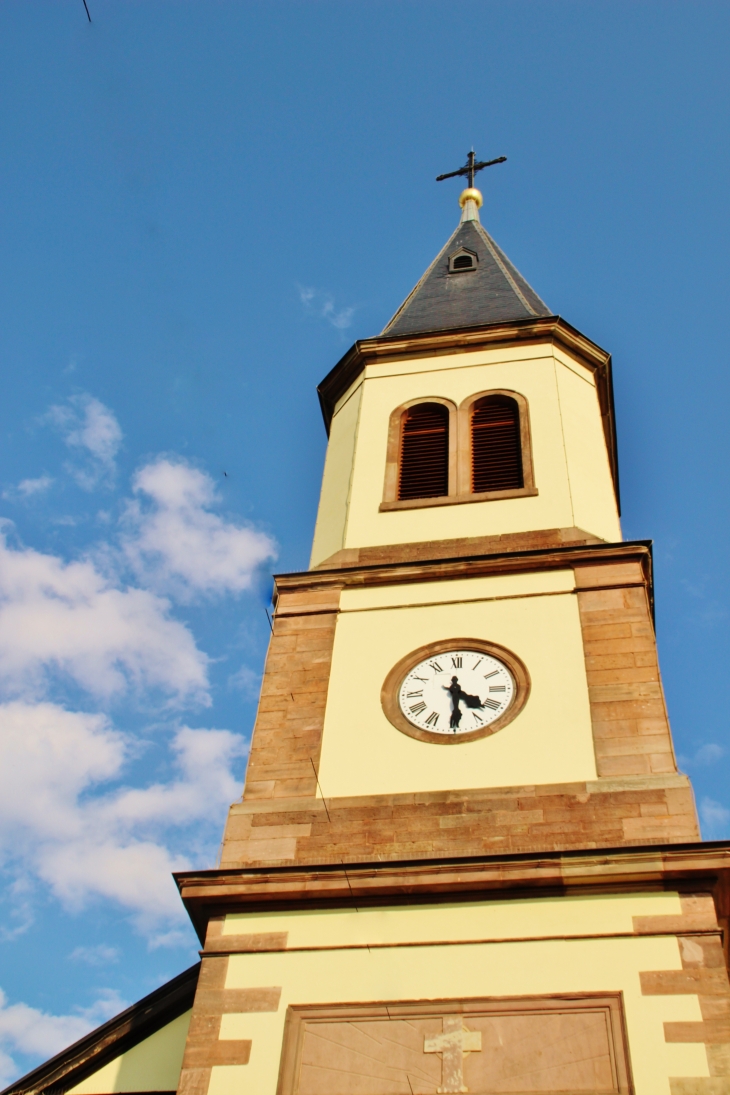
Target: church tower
{"x": 464, "y": 859}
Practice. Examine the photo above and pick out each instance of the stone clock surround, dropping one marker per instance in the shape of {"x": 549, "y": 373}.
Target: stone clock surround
{"x": 639, "y": 797}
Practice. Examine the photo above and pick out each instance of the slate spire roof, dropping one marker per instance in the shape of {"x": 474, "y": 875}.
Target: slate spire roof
{"x": 493, "y": 292}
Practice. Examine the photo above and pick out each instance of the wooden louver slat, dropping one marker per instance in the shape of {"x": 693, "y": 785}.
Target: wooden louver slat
{"x": 495, "y": 445}
{"x": 424, "y": 452}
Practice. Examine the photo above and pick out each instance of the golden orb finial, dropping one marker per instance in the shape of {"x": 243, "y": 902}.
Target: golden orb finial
{"x": 471, "y": 194}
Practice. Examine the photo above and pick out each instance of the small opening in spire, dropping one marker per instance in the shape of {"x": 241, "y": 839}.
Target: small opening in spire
{"x": 462, "y": 260}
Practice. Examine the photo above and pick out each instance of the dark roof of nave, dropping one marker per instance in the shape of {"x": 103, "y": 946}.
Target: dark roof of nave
{"x": 493, "y": 293}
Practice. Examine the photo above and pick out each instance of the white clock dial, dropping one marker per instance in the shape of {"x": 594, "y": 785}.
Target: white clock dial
{"x": 457, "y": 692}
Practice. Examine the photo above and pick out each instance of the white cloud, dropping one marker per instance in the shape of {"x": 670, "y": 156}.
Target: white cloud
{"x": 61, "y": 825}
{"x": 176, "y": 544}
{"x": 8, "y": 1069}
{"x": 49, "y": 757}
{"x": 98, "y": 955}
{"x": 91, "y": 429}
{"x": 24, "y": 1029}
{"x": 322, "y": 304}
{"x": 117, "y": 867}
{"x": 706, "y": 754}
{"x": 27, "y": 487}
{"x": 70, "y": 618}
{"x": 203, "y": 757}
{"x": 715, "y": 819}
{"x": 247, "y": 681}
{"x": 68, "y": 822}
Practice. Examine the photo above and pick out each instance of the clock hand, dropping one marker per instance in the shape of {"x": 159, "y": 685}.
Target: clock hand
{"x": 457, "y": 695}
{"x": 454, "y": 690}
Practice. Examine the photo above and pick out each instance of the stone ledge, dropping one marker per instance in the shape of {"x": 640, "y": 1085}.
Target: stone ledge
{"x": 592, "y": 787}
{"x": 629, "y": 811}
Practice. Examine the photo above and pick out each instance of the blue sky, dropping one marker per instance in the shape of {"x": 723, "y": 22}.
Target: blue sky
{"x": 202, "y": 205}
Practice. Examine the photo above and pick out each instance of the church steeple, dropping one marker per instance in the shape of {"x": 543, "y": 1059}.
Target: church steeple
{"x": 470, "y": 282}
{"x": 472, "y": 330}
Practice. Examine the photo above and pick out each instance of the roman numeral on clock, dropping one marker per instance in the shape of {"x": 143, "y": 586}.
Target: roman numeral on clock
{"x": 477, "y": 719}
{"x": 417, "y": 708}
{"x": 493, "y": 705}
{"x": 409, "y": 695}
{"x": 432, "y": 719}
{"x": 492, "y": 674}
{"x": 436, "y": 667}
{"x": 456, "y": 662}
{"x": 498, "y": 688}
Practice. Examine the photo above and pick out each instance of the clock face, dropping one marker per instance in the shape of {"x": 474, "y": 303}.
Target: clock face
{"x": 456, "y": 692}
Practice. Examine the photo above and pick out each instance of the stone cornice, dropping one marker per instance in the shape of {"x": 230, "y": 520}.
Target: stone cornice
{"x": 687, "y": 867}
{"x": 471, "y": 566}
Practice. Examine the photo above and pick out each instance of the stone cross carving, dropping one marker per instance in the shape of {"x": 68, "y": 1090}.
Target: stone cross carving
{"x": 454, "y": 1044}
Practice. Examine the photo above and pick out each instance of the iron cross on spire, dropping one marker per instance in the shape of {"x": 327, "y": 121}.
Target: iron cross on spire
{"x": 470, "y": 168}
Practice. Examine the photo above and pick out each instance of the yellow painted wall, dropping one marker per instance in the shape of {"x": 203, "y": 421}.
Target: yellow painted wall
{"x": 329, "y": 534}
{"x": 533, "y": 615}
{"x": 591, "y": 486}
{"x": 461, "y": 921}
{"x": 571, "y": 466}
{"x": 540, "y": 964}
{"x": 153, "y": 1065}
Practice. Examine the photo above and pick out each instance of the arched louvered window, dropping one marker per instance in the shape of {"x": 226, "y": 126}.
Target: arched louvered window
{"x": 424, "y": 452}
{"x": 496, "y": 447}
